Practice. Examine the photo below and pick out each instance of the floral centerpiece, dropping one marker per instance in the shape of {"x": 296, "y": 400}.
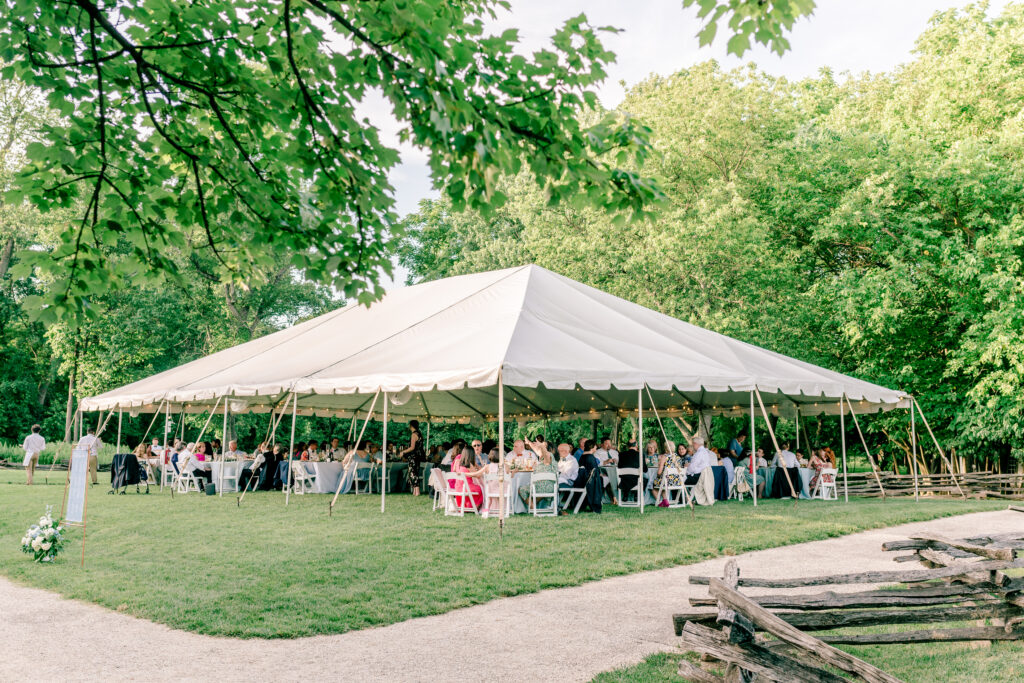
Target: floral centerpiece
{"x": 44, "y": 540}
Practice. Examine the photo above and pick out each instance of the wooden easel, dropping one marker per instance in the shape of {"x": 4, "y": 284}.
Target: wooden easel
{"x": 83, "y": 454}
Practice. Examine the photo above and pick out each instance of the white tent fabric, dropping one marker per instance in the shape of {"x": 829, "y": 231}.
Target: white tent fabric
{"x": 562, "y": 349}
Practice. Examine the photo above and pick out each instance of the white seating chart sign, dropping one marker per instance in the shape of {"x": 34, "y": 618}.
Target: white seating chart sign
{"x": 75, "y": 511}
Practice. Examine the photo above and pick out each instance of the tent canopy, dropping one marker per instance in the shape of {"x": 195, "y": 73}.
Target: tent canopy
{"x": 562, "y": 350}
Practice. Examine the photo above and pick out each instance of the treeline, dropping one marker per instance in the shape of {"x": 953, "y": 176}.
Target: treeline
{"x": 868, "y": 223}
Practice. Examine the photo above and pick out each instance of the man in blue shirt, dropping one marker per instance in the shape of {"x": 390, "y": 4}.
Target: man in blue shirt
{"x": 736, "y": 446}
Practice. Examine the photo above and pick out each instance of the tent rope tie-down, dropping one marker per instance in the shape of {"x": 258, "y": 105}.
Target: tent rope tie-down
{"x": 942, "y": 453}
{"x": 874, "y": 467}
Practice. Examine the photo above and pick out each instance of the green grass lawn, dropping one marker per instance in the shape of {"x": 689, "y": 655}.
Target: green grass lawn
{"x": 202, "y": 564}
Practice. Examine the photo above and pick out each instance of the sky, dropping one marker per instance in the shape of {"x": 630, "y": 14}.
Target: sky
{"x": 658, "y": 36}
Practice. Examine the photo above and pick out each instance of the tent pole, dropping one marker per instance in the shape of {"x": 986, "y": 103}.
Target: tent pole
{"x": 118, "y": 449}
{"x": 369, "y": 414}
{"x": 842, "y": 433}
{"x": 913, "y": 452}
{"x": 775, "y": 442}
{"x": 798, "y": 429}
{"x": 384, "y": 455}
{"x": 164, "y": 459}
{"x": 291, "y": 450}
{"x": 223, "y": 450}
{"x": 753, "y": 451}
{"x": 501, "y": 456}
{"x": 641, "y": 485}
{"x": 942, "y": 453}
{"x": 874, "y": 469}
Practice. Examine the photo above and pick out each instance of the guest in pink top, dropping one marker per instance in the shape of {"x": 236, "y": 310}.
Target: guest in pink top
{"x": 466, "y": 465}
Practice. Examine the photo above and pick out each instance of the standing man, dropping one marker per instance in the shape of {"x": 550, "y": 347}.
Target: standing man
{"x": 92, "y": 443}
{"x": 34, "y": 445}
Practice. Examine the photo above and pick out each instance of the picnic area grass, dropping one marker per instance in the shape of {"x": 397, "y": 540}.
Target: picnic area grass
{"x": 262, "y": 570}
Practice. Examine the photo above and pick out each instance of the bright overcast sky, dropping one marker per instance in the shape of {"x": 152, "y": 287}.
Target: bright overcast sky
{"x": 659, "y": 37}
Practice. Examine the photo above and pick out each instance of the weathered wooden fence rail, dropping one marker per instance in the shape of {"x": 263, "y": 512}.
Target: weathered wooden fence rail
{"x": 974, "y": 484}
{"x": 765, "y": 637}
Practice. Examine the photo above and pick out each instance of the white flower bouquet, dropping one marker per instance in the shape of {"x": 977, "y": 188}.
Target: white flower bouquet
{"x": 44, "y": 540}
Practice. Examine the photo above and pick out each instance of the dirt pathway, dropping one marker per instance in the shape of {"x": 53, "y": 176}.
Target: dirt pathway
{"x": 568, "y": 634}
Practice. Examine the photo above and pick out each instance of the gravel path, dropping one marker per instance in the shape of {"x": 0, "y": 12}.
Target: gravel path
{"x": 582, "y": 631}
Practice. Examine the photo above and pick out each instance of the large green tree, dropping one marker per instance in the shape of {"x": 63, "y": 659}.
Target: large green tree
{"x": 245, "y": 122}
{"x": 872, "y": 224}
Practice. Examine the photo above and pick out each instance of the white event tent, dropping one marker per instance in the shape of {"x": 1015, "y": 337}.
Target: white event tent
{"x": 516, "y": 344}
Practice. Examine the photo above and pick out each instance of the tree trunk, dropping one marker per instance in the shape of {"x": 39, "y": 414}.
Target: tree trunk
{"x": 5, "y": 256}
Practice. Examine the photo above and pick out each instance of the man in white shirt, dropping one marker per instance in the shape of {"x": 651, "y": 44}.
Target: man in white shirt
{"x": 522, "y": 458}
{"x": 92, "y": 443}
{"x": 785, "y": 458}
{"x": 157, "y": 449}
{"x": 568, "y": 467}
{"x": 699, "y": 461}
{"x": 606, "y": 455}
{"x": 34, "y": 445}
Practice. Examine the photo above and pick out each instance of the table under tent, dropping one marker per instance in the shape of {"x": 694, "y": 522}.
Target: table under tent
{"x": 520, "y": 344}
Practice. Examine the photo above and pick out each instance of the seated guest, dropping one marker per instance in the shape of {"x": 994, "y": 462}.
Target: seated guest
{"x": 629, "y": 458}
{"x": 453, "y": 453}
{"x": 817, "y": 463}
{"x": 232, "y": 453}
{"x": 801, "y": 459}
{"x": 142, "y": 453}
{"x": 197, "y": 463}
{"x": 682, "y": 453}
{"x": 480, "y": 457}
{"x": 743, "y": 470}
{"x": 699, "y": 461}
{"x": 589, "y": 477}
{"x": 520, "y": 457}
{"x": 155, "y": 448}
{"x": 652, "y": 459}
{"x": 663, "y": 478}
{"x": 544, "y": 464}
{"x": 539, "y": 447}
{"x": 787, "y": 476}
{"x": 213, "y": 448}
{"x": 313, "y": 451}
{"x": 568, "y": 467}
{"x": 466, "y": 464}
{"x": 730, "y": 468}
{"x": 579, "y": 450}
{"x": 606, "y": 455}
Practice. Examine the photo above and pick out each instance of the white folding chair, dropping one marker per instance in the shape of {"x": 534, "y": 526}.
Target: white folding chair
{"x": 230, "y": 476}
{"x": 629, "y": 472}
{"x": 168, "y": 477}
{"x": 492, "y": 494}
{"x": 536, "y": 510}
{"x": 825, "y": 489}
{"x": 459, "y": 499}
{"x": 363, "y": 477}
{"x": 302, "y": 481}
{"x": 186, "y": 480}
{"x": 440, "y": 486}
{"x": 676, "y": 494}
{"x": 566, "y": 502}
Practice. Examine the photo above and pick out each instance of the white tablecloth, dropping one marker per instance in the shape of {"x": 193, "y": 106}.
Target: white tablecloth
{"x": 231, "y": 469}
{"x": 328, "y": 474}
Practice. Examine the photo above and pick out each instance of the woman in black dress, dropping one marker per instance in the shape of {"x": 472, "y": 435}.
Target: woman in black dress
{"x": 414, "y": 455}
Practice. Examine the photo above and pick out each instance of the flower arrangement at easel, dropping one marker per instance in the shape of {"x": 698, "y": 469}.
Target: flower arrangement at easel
{"x": 44, "y": 540}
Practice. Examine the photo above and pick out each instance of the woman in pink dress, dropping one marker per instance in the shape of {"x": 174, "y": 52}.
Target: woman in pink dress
{"x": 467, "y": 465}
